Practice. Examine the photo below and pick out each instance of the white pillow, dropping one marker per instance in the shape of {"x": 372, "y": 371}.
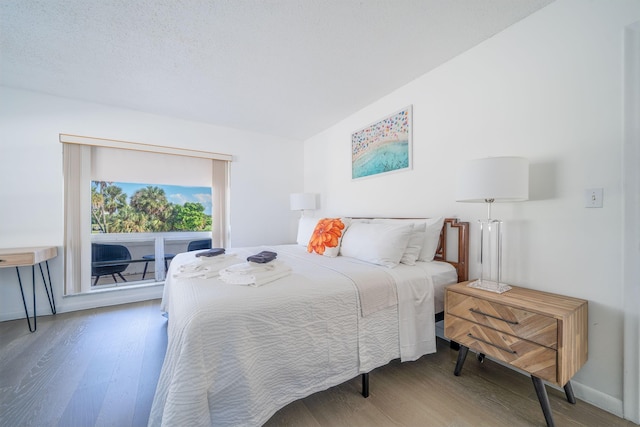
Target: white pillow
{"x": 377, "y": 243}
{"x": 412, "y": 251}
{"x": 432, "y": 238}
{"x": 354, "y": 220}
{"x": 418, "y": 224}
{"x": 306, "y": 225}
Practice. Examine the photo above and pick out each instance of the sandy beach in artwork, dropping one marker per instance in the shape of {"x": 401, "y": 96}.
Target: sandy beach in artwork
{"x": 366, "y": 146}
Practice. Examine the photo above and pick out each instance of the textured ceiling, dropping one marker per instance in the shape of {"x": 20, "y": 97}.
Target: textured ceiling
{"x": 290, "y": 68}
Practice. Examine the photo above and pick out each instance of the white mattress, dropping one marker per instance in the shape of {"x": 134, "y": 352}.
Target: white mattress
{"x": 441, "y": 274}
{"x": 237, "y": 354}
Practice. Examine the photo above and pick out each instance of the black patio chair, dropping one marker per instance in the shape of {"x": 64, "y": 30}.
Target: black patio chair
{"x": 195, "y": 245}
{"x": 106, "y": 253}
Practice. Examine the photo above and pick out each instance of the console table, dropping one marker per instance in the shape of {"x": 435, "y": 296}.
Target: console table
{"x": 24, "y": 257}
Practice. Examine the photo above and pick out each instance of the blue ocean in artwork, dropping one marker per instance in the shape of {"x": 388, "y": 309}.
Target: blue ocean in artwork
{"x": 387, "y": 157}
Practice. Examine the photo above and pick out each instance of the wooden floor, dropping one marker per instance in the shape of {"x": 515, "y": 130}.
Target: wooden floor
{"x": 100, "y": 368}
{"x": 86, "y": 368}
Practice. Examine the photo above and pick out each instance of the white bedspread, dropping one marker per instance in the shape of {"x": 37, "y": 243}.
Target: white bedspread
{"x": 237, "y": 354}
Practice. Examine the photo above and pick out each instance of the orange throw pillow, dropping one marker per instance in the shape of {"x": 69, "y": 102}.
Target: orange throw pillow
{"x": 327, "y": 236}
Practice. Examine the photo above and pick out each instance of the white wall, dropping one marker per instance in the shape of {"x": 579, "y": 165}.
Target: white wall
{"x": 264, "y": 171}
{"x": 550, "y": 89}
{"x": 631, "y": 190}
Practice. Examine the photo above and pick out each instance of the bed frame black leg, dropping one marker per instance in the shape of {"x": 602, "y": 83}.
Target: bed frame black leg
{"x": 365, "y": 385}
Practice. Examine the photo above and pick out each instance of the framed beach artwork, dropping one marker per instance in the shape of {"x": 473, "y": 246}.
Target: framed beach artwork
{"x": 383, "y": 147}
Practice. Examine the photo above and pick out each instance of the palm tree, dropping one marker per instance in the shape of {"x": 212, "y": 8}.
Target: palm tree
{"x": 152, "y": 202}
{"x": 114, "y": 198}
{"x": 106, "y": 199}
{"x": 128, "y": 220}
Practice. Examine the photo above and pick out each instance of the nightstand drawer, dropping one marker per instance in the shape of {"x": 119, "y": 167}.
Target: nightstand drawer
{"x": 524, "y": 324}
{"x": 526, "y": 355}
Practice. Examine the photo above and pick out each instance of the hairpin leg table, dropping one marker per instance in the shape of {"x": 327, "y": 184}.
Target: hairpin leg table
{"x": 24, "y": 257}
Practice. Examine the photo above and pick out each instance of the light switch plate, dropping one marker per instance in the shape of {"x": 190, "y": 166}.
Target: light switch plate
{"x": 593, "y": 197}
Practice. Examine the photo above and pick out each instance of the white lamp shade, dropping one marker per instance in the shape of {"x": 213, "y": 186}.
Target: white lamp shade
{"x": 303, "y": 201}
{"x": 500, "y": 179}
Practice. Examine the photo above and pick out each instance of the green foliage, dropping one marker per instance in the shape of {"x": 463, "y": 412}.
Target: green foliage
{"x": 148, "y": 211}
{"x": 190, "y": 216}
{"x": 152, "y": 203}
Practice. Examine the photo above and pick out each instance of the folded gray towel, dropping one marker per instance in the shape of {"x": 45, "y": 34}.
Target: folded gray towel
{"x": 211, "y": 252}
{"x": 263, "y": 257}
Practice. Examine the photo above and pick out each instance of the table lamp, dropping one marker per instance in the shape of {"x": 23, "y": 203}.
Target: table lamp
{"x": 493, "y": 180}
{"x": 302, "y": 202}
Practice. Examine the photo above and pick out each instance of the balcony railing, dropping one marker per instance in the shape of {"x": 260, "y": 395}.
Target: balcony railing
{"x": 144, "y": 249}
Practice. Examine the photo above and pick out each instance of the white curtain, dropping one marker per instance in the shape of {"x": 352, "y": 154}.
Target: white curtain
{"x": 219, "y": 196}
{"x": 77, "y": 219}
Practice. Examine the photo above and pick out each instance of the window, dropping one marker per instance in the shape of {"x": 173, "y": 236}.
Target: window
{"x": 128, "y": 207}
{"x": 172, "y": 216}
{"x": 100, "y": 182}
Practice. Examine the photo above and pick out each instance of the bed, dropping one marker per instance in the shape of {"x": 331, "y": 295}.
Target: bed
{"x": 237, "y": 353}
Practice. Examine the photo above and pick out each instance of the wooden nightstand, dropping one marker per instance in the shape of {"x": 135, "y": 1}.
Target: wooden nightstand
{"x": 541, "y": 333}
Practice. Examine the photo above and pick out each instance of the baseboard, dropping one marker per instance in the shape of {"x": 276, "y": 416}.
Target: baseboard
{"x": 113, "y": 296}
{"x": 598, "y": 399}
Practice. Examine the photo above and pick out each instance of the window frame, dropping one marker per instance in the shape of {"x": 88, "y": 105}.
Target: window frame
{"x": 77, "y": 204}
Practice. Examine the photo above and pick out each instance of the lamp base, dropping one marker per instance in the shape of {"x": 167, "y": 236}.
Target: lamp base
{"x": 489, "y": 285}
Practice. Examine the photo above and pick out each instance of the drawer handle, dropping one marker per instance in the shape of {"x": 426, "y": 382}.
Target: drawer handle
{"x": 508, "y": 350}
{"x": 493, "y": 317}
